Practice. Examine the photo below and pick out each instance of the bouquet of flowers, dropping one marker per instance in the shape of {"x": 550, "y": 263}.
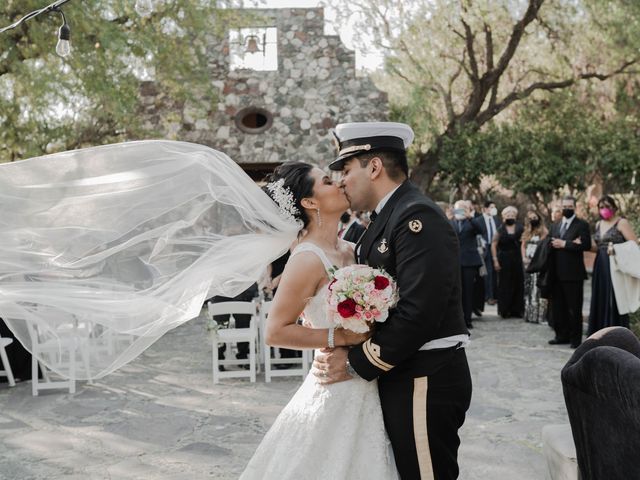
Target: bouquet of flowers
{"x": 360, "y": 295}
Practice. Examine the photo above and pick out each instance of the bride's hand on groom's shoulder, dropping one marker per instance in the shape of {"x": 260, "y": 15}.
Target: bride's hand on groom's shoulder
{"x": 330, "y": 366}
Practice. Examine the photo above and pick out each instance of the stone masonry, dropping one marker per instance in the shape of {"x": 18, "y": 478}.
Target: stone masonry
{"x": 314, "y": 88}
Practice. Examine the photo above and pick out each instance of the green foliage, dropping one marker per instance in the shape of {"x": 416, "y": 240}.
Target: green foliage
{"x": 453, "y": 67}
{"x": 93, "y": 96}
{"x": 553, "y": 143}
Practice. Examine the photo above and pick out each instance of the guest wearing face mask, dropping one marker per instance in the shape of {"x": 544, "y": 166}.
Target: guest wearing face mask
{"x": 507, "y": 261}
{"x": 535, "y": 307}
{"x": 470, "y": 260}
{"x": 488, "y": 225}
{"x": 611, "y": 229}
{"x": 570, "y": 239}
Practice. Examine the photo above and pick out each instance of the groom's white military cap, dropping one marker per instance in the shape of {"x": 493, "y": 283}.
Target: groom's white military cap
{"x": 367, "y": 137}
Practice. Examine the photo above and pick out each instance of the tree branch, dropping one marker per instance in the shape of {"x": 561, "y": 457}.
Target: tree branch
{"x": 469, "y": 39}
{"x": 489, "y": 113}
{"x": 514, "y": 40}
{"x": 489, "y": 46}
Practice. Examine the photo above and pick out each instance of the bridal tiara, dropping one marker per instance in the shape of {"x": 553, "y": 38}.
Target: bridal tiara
{"x": 284, "y": 199}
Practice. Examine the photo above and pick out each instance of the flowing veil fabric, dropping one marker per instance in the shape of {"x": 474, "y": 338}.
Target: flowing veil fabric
{"x": 105, "y": 249}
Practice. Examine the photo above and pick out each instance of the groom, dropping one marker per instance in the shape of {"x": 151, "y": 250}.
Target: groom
{"x": 417, "y": 355}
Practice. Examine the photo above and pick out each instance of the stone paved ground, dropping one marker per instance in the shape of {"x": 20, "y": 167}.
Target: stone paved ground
{"x": 161, "y": 417}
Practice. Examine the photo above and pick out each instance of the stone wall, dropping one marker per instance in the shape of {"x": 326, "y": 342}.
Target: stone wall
{"x": 314, "y": 88}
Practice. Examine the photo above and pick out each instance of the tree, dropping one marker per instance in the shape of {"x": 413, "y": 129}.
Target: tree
{"x": 93, "y": 96}
{"x": 455, "y": 65}
{"x": 555, "y": 143}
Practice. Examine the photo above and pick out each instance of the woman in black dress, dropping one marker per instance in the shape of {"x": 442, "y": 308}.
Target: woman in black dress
{"x": 507, "y": 261}
{"x": 611, "y": 229}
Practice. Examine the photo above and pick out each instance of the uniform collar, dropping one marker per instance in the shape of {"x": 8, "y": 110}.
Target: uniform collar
{"x": 385, "y": 199}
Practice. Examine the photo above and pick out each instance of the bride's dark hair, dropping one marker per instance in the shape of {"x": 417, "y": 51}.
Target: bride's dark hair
{"x": 297, "y": 179}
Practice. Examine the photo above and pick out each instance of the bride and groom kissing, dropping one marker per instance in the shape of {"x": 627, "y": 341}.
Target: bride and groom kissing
{"x": 388, "y": 403}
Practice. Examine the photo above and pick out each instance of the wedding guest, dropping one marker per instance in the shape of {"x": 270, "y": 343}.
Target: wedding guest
{"x": 535, "y": 307}
{"x": 365, "y": 219}
{"x": 507, "y": 261}
{"x": 556, "y": 214}
{"x": 475, "y": 208}
{"x": 570, "y": 239}
{"x": 350, "y": 227}
{"x": 470, "y": 260}
{"x": 488, "y": 224}
{"x": 611, "y": 229}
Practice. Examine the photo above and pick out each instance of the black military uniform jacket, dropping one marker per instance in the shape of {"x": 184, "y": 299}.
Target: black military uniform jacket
{"x": 413, "y": 241}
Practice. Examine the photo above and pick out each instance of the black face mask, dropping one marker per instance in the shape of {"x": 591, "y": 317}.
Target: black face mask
{"x": 510, "y": 221}
{"x": 567, "y": 212}
{"x": 535, "y": 222}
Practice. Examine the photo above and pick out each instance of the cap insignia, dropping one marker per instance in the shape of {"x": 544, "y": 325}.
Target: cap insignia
{"x": 355, "y": 148}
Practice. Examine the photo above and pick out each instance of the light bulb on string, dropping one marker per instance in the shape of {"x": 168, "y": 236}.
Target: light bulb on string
{"x": 63, "y": 48}
{"x": 144, "y": 8}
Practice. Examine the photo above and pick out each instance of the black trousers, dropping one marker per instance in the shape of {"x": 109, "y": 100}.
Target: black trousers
{"x": 566, "y": 302}
{"x": 478, "y": 292}
{"x": 422, "y": 417}
{"x": 468, "y": 275}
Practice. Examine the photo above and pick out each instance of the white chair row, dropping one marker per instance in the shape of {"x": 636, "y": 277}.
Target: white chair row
{"x": 69, "y": 344}
{"x": 259, "y": 351}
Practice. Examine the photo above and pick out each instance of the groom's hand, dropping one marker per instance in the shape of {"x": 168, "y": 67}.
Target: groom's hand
{"x": 330, "y": 366}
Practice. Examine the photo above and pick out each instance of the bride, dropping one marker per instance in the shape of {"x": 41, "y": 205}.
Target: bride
{"x": 326, "y": 431}
{"x": 127, "y": 240}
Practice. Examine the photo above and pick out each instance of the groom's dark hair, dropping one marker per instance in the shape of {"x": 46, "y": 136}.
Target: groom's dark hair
{"x": 395, "y": 163}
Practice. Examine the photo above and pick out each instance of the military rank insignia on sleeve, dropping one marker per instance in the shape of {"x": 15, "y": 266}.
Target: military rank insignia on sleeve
{"x": 415, "y": 226}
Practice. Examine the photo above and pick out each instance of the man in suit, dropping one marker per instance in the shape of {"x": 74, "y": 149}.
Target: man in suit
{"x": 570, "y": 239}
{"x": 416, "y": 354}
{"x": 487, "y": 225}
{"x": 352, "y": 229}
{"x": 470, "y": 260}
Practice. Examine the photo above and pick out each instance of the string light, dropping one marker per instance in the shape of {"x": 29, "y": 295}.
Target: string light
{"x": 63, "y": 47}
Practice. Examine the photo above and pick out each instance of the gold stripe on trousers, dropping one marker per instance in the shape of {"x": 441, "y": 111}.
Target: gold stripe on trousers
{"x": 420, "y": 434}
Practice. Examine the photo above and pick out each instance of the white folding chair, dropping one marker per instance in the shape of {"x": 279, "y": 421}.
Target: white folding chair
{"x": 270, "y": 360}
{"x": 231, "y": 336}
{"x": 7, "y": 372}
{"x": 62, "y": 345}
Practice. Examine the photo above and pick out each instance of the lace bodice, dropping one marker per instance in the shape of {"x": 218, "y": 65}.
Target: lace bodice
{"x": 315, "y": 312}
{"x": 612, "y": 235}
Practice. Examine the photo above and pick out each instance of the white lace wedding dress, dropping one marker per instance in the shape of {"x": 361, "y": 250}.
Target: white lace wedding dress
{"x": 332, "y": 432}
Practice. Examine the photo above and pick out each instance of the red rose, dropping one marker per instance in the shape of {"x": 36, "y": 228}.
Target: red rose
{"x": 347, "y": 308}
{"x": 381, "y": 282}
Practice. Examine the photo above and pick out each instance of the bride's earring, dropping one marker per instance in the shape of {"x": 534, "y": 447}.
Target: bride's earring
{"x": 319, "y": 218}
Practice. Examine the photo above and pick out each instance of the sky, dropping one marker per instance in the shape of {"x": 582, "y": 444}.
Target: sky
{"x": 369, "y": 61}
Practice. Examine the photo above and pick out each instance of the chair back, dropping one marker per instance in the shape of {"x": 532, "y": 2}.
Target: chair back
{"x": 601, "y": 385}
{"x": 229, "y": 308}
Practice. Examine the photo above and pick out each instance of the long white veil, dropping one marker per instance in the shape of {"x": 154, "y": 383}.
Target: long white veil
{"x": 105, "y": 249}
